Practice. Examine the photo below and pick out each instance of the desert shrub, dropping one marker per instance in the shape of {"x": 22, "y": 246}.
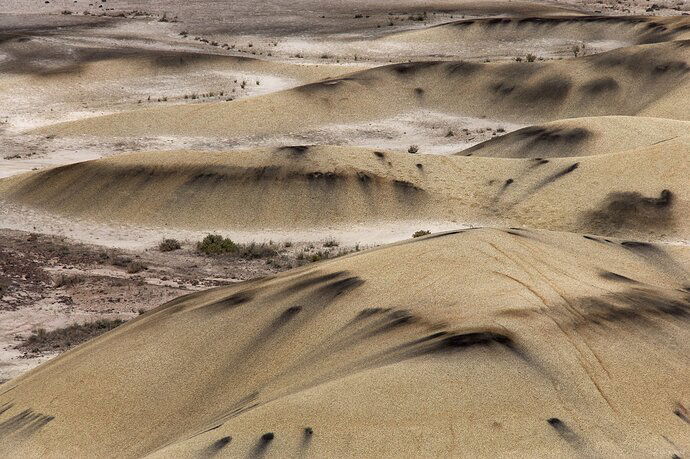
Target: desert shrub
{"x": 518, "y": 59}
{"x": 256, "y": 250}
{"x": 168, "y": 245}
{"x": 135, "y": 267}
{"x": 421, "y": 233}
{"x": 120, "y": 261}
{"x": 531, "y": 57}
{"x": 413, "y": 149}
{"x": 214, "y": 244}
{"x": 331, "y": 243}
{"x": 41, "y": 341}
{"x": 67, "y": 279}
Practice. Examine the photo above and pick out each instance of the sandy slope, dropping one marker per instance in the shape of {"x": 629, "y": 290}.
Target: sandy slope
{"x": 625, "y": 81}
{"x": 578, "y": 29}
{"x": 581, "y": 137}
{"x": 300, "y": 187}
{"x": 549, "y": 344}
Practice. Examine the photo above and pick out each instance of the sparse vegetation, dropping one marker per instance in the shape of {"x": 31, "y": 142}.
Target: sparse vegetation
{"x": 135, "y": 267}
{"x": 421, "y": 233}
{"x": 61, "y": 339}
{"x": 331, "y": 243}
{"x": 531, "y": 57}
{"x": 413, "y": 149}
{"x": 168, "y": 245}
{"x": 215, "y": 244}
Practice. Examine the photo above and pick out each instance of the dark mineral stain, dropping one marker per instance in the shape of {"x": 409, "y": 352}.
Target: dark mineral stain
{"x": 25, "y": 423}
{"x": 599, "y": 86}
{"x": 308, "y": 282}
{"x": 325, "y": 86}
{"x": 550, "y": 135}
{"x": 228, "y": 303}
{"x": 338, "y": 287}
{"x": 458, "y": 341}
{"x": 461, "y": 68}
{"x": 682, "y": 413}
{"x": 638, "y": 306}
{"x": 294, "y": 149}
{"x": 556, "y": 176}
{"x": 368, "y": 312}
{"x": 550, "y": 90}
{"x": 323, "y": 177}
{"x": 307, "y": 435}
{"x": 631, "y": 209}
{"x": 564, "y": 431}
{"x": 616, "y": 277}
{"x": 363, "y": 178}
{"x": 286, "y": 316}
{"x": 216, "y": 446}
{"x": 262, "y": 445}
{"x": 410, "y": 68}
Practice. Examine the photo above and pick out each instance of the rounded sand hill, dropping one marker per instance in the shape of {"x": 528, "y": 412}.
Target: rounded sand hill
{"x": 548, "y": 344}
{"x": 317, "y": 186}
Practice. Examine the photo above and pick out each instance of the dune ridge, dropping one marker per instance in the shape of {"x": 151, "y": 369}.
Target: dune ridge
{"x": 302, "y": 186}
{"x": 627, "y": 81}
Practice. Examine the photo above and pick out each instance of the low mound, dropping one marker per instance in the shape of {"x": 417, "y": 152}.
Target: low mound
{"x": 581, "y": 137}
{"x": 567, "y": 29}
{"x": 638, "y": 192}
{"x": 481, "y": 342}
{"x": 626, "y": 81}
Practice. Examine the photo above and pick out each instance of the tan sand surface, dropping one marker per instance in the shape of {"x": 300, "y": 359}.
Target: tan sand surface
{"x": 598, "y": 135}
{"x": 302, "y": 186}
{"x": 548, "y": 344}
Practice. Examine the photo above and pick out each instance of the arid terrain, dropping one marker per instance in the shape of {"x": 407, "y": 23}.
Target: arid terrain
{"x": 323, "y": 228}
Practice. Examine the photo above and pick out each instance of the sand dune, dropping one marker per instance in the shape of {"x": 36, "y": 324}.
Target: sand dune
{"x": 578, "y": 29}
{"x": 627, "y": 81}
{"x": 581, "y": 137}
{"x": 303, "y": 186}
{"x": 549, "y": 344}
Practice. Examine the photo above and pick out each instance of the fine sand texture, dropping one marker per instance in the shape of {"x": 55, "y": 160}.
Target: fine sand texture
{"x": 641, "y": 80}
{"x": 303, "y": 186}
{"x": 548, "y": 344}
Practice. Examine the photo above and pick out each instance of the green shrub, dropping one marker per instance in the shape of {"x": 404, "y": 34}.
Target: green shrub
{"x": 214, "y": 244}
{"x": 168, "y": 245}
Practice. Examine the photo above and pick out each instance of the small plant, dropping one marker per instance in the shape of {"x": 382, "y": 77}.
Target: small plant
{"x": 61, "y": 339}
{"x": 135, "y": 267}
{"x": 421, "y": 233}
{"x": 214, "y": 244}
{"x": 518, "y": 59}
{"x": 168, "y": 245}
{"x": 531, "y": 57}
{"x": 575, "y": 50}
{"x": 413, "y": 149}
{"x": 450, "y": 133}
{"x": 67, "y": 279}
{"x": 331, "y": 243}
